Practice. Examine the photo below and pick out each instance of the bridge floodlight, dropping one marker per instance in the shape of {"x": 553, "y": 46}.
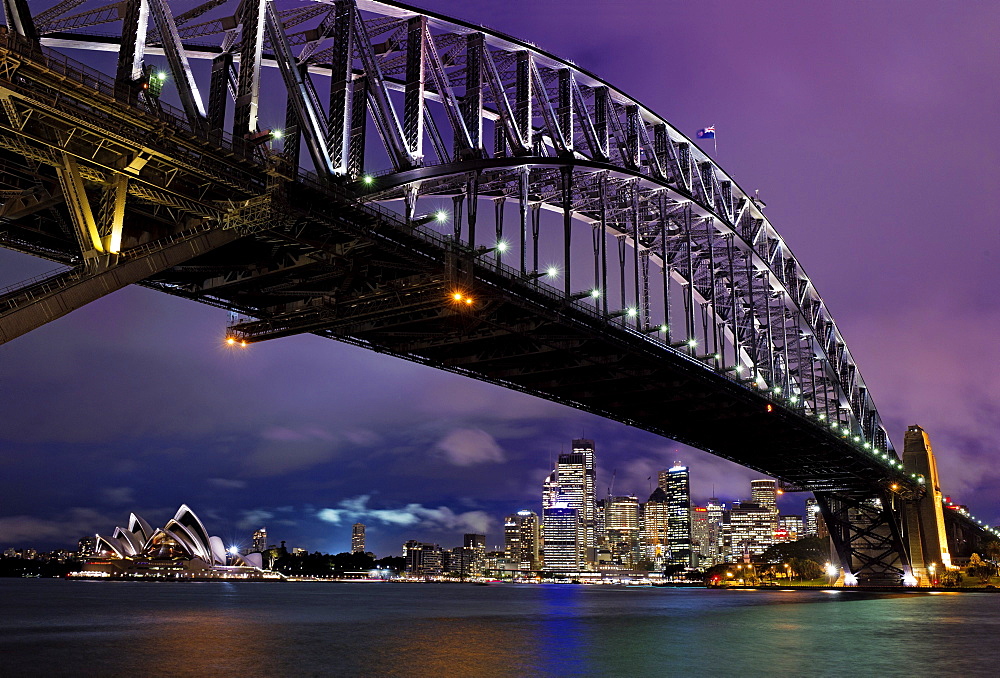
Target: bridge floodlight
{"x": 441, "y": 216}
{"x": 777, "y": 390}
{"x": 631, "y": 311}
{"x": 368, "y": 180}
{"x": 277, "y": 134}
{"x": 793, "y": 399}
{"x": 502, "y": 246}
{"x": 552, "y": 271}
{"x": 161, "y": 75}
{"x": 595, "y": 293}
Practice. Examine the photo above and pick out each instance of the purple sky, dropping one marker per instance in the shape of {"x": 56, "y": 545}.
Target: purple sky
{"x": 868, "y": 128}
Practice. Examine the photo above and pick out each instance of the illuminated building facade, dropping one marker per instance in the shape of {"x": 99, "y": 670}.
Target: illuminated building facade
{"x": 180, "y": 549}
{"x": 701, "y": 536}
{"x": 522, "y": 540}
{"x": 621, "y": 522}
{"x": 422, "y": 559}
{"x": 561, "y": 539}
{"x": 790, "y": 528}
{"x": 358, "y": 538}
{"x": 572, "y": 484}
{"x": 812, "y": 517}
{"x": 718, "y": 525}
{"x": 751, "y": 529}
{"x": 675, "y": 482}
{"x": 260, "y": 540}
{"x": 656, "y": 517}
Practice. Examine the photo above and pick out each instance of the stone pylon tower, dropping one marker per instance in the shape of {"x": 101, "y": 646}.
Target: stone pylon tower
{"x": 925, "y": 516}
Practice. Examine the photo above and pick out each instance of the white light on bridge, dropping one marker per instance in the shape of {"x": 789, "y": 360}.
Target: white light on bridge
{"x": 552, "y": 271}
{"x": 502, "y": 246}
{"x": 631, "y": 312}
{"x": 277, "y": 134}
{"x": 368, "y": 180}
{"x": 440, "y": 216}
{"x": 595, "y": 293}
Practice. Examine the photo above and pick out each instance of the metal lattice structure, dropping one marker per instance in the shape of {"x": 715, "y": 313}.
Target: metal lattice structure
{"x": 617, "y": 267}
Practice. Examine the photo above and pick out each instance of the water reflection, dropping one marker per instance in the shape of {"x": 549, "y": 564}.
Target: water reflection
{"x": 136, "y": 629}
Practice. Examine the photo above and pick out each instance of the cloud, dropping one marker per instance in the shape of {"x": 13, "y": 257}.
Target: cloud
{"x": 253, "y": 519}
{"x": 78, "y": 522}
{"x": 275, "y": 457}
{"x": 227, "y": 483}
{"x": 442, "y": 518}
{"x": 117, "y": 495}
{"x": 470, "y": 446}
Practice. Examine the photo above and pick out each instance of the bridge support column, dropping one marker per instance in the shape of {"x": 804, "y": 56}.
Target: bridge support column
{"x": 928, "y": 540}
{"x": 867, "y": 536}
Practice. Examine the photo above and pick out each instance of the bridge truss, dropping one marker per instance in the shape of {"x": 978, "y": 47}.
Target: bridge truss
{"x": 443, "y": 193}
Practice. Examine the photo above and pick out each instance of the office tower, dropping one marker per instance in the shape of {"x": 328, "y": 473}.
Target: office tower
{"x": 656, "y": 517}
{"x": 718, "y": 531}
{"x": 675, "y": 482}
{"x": 701, "y": 536}
{"x": 358, "y": 538}
{"x": 813, "y": 517}
{"x": 621, "y": 522}
{"x": 561, "y": 539}
{"x": 764, "y": 493}
{"x": 260, "y": 540}
{"x": 790, "y": 528}
{"x": 422, "y": 559}
{"x": 521, "y": 540}
{"x": 572, "y": 484}
{"x": 475, "y": 550}
{"x": 752, "y": 529}
{"x": 550, "y": 489}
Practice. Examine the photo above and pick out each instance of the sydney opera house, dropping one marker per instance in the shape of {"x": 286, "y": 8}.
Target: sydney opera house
{"x": 181, "y": 549}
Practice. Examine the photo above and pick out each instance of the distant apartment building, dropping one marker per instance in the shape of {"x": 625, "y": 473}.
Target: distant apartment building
{"x": 358, "y": 538}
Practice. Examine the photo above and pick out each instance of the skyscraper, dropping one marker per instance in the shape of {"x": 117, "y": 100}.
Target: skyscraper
{"x": 572, "y": 484}
{"x": 260, "y": 540}
{"x": 358, "y": 538}
{"x": 718, "y": 531}
{"x": 621, "y": 522}
{"x": 521, "y": 540}
{"x": 655, "y": 528}
{"x": 675, "y": 483}
{"x": 812, "y": 517}
{"x": 561, "y": 539}
{"x": 764, "y": 493}
{"x": 752, "y": 529}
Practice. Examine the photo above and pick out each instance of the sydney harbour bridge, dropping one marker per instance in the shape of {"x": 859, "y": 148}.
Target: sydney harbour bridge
{"x": 430, "y": 189}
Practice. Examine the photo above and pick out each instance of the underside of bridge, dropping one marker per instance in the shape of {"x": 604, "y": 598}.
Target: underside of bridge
{"x": 737, "y": 355}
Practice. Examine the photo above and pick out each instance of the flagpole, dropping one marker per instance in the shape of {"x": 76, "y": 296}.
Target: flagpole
{"x": 715, "y": 142}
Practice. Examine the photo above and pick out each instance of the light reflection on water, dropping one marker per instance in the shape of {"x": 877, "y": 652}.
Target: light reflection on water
{"x": 53, "y": 628}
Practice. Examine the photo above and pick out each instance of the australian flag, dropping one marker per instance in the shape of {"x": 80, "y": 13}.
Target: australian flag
{"x": 707, "y": 133}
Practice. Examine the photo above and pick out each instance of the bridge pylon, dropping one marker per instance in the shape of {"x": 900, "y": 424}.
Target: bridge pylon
{"x": 925, "y": 528}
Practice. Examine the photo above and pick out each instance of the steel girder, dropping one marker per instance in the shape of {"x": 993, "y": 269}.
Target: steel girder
{"x": 868, "y": 535}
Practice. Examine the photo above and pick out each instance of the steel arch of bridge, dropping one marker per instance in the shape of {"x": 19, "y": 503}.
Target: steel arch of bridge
{"x": 562, "y": 139}
{"x": 683, "y": 259}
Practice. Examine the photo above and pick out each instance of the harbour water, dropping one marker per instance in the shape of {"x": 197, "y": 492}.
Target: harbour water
{"x": 78, "y": 628}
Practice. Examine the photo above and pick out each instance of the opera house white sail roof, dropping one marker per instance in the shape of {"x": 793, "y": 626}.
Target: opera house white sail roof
{"x": 184, "y": 537}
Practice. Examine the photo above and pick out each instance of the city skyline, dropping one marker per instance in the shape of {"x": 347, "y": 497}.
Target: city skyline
{"x": 309, "y": 436}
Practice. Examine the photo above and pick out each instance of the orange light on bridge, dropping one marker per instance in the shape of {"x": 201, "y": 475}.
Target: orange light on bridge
{"x": 457, "y": 296}
{"x": 230, "y": 341}
{"x": 468, "y": 300}
{"x": 770, "y": 408}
